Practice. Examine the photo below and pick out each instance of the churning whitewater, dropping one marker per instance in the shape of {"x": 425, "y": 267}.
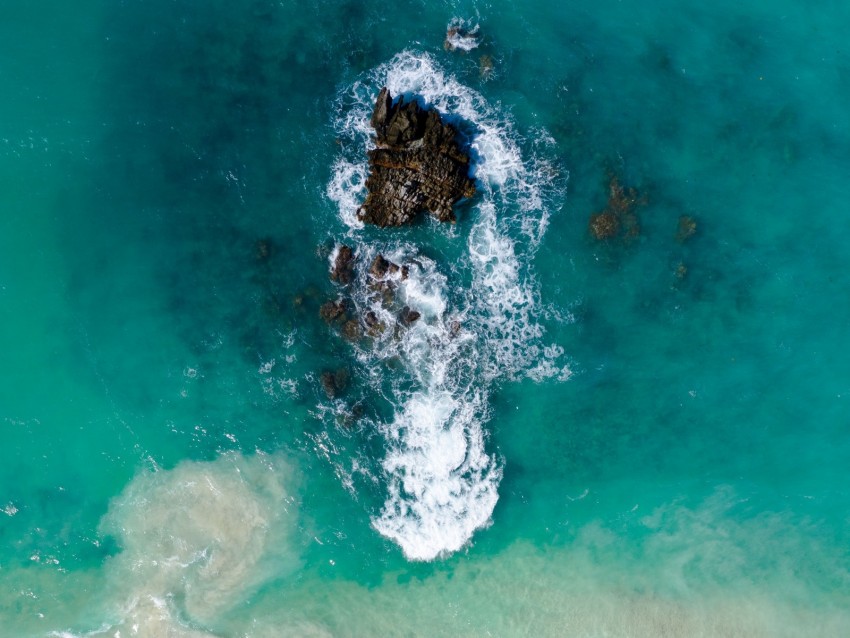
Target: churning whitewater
{"x": 479, "y": 314}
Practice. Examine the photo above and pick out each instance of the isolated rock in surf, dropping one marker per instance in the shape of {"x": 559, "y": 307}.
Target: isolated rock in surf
{"x": 417, "y": 165}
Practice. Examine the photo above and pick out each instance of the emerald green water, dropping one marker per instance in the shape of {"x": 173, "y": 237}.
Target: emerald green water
{"x": 169, "y": 467}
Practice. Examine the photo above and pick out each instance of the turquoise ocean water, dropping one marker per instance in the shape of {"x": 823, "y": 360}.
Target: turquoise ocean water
{"x": 645, "y": 436}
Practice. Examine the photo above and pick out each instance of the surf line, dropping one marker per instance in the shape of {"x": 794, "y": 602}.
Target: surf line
{"x": 439, "y": 472}
{"x": 448, "y": 344}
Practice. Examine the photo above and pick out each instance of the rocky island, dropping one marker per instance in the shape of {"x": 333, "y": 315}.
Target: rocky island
{"x": 417, "y": 165}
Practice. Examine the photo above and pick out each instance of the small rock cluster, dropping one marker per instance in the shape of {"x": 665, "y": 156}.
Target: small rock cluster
{"x": 618, "y": 219}
{"x": 383, "y": 276}
{"x": 417, "y": 165}
{"x": 618, "y": 213}
{"x": 382, "y": 279}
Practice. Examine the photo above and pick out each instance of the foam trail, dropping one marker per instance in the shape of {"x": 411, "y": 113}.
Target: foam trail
{"x": 441, "y": 483}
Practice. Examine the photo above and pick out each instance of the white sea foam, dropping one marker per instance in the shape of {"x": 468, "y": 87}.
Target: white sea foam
{"x": 348, "y": 188}
{"x": 462, "y": 34}
{"x": 441, "y": 482}
{"x": 275, "y": 375}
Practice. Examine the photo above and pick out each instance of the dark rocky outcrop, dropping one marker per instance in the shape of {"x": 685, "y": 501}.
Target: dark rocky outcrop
{"x": 371, "y": 319}
{"x": 342, "y": 270}
{"x": 417, "y": 165}
{"x": 618, "y": 214}
{"x": 374, "y": 326}
{"x": 408, "y": 316}
{"x": 604, "y": 225}
{"x": 382, "y": 278}
{"x": 461, "y": 35}
{"x": 380, "y": 267}
{"x": 334, "y": 383}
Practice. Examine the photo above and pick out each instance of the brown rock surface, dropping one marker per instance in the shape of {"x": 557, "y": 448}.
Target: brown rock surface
{"x": 618, "y": 214}
{"x": 604, "y": 225}
{"x": 343, "y": 268}
{"x": 381, "y": 268}
{"x": 417, "y": 165}
{"x": 408, "y": 316}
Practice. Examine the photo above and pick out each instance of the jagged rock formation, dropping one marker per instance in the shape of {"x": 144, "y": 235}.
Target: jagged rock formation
{"x": 343, "y": 267}
{"x": 334, "y": 311}
{"x": 417, "y": 165}
{"x": 380, "y": 268}
{"x": 408, "y": 316}
{"x": 382, "y": 279}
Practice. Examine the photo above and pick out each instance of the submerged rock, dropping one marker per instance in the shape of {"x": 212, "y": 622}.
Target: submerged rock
{"x": 408, "y": 316}
{"x": 687, "y": 228}
{"x": 263, "y": 249}
{"x": 618, "y": 214}
{"x": 485, "y": 67}
{"x": 351, "y": 330}
{"x": 334, "y": 383}
{"x": 417, "y": 165}
{"x": 350, "y": 418}
{"x": 333, "y": 311}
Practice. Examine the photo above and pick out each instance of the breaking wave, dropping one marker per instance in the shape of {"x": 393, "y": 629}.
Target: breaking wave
{"x": 479, "y": 313}
{"x": 462, "y": 34}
